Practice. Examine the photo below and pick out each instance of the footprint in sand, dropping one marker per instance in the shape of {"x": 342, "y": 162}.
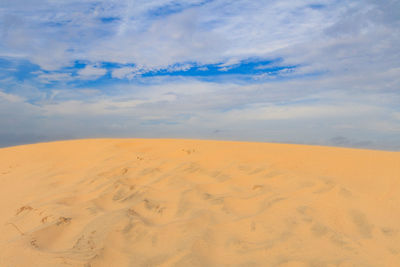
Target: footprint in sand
{"x": 151, "y": 205}
{"x": 361, "y": 222}
{"x": 86, "y": 242}
{"x": 23, "y": 208}
{"x": 189, "y": 151}
{"x": 63, "y": 220}
{"x": 47, "y": 237}
{"x": 257, "y": 187}
{"x": 389, "y": 231}
{"x": 34, "y": 243}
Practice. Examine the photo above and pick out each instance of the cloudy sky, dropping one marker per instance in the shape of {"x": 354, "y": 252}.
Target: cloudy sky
{"x": 295, "y": 71}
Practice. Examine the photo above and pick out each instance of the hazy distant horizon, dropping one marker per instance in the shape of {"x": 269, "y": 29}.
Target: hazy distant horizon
{"x": 344, "y": 144}
{"x": 321, "y": 73}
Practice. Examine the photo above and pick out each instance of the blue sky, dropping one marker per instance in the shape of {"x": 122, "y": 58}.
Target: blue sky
{"x": 296, "y": 71}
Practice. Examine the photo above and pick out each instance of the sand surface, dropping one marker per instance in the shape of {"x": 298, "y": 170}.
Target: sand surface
{"x": 133, "y": 202}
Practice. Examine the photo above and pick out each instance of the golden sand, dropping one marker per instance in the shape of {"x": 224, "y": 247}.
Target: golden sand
{"x": 140, "y": 202}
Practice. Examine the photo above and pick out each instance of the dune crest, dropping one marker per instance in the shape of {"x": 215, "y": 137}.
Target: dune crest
{"x": 160, "y": 202}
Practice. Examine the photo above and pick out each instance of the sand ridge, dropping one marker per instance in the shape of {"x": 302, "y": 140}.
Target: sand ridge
{"x": 166, "y": 202}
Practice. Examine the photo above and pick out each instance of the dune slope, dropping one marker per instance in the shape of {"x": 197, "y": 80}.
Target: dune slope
{"x": 138, "y": 202}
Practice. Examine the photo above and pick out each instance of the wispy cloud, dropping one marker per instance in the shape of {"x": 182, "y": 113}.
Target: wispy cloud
{"x": 91, "y": 72}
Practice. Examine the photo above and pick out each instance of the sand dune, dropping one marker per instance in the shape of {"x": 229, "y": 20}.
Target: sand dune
{"x": 197, "y": 203}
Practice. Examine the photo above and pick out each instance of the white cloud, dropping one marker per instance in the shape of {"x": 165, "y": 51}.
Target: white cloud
{"x": 335, "y": 36}
{"x": 128, "y": 72}
{"x": 290, "y": 111}
{"x": 352, "y": 46}
{"x": 207, "y": 33}
{"x": 52, "y": 77}
{"x": 124, "y": 72}
{"x": 91, "y": 72}
{"x": 10, "y": 97}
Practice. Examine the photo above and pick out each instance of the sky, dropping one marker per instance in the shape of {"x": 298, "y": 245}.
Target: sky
{"x": 290, "y": 71}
